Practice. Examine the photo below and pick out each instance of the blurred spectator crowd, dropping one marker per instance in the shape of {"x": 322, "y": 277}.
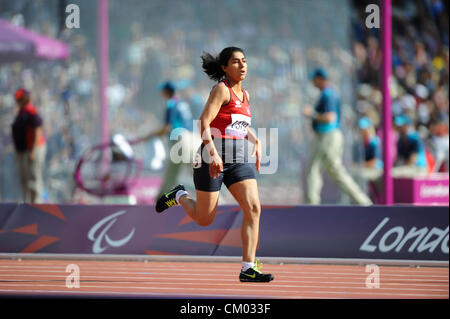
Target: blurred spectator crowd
{"x": 161, "y": 40}
{"x": 420, "y": 74}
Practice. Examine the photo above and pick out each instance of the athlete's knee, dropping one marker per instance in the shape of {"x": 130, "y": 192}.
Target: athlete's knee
{"x": 252, "y": 211}
{"x": 205, "y": 221}
{"x": 205, "y": 218}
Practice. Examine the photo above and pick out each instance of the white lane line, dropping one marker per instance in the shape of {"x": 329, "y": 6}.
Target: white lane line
{"x": 281, "y": 272}
{"x": 222, "y": 259}
{"x": 269, "y": 288}
{"x": 144, "y": 266}
{"x": 247, "y": 290}
{"x": 124, "y": 294}
{"x": 278, "y": 275}
{"x": 382, "y": 286}
{"x": 10, "y": 278}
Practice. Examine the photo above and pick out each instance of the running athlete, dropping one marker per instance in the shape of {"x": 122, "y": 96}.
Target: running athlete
{"x": 224, "y": 124}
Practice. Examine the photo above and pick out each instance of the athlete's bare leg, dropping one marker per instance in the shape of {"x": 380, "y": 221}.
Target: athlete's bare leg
{"x": 203, "y": 209}
{"x": 246, "y": 194}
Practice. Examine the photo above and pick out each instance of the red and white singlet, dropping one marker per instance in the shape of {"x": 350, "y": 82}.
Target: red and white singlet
{"x": 233, "y": 118}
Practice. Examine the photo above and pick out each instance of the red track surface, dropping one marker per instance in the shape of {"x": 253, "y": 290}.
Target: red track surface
{"x": 217, "y": 280}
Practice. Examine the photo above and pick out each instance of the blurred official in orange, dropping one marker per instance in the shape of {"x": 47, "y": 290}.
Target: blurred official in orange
{"x": 30, "y": 145}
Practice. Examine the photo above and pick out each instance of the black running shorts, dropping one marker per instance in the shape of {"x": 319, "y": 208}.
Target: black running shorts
{"x": 235, "y": 166}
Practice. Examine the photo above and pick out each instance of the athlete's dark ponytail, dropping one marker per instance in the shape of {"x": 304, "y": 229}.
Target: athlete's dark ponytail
{"x": 212, "y": 66}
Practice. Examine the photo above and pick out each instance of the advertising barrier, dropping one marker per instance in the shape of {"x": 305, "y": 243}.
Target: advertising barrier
{"x": 377, "y": 232}
{"x": 430, "y": 190}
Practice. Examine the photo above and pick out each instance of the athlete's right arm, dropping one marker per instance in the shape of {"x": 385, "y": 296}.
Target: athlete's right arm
{"x": 218, "y": 96}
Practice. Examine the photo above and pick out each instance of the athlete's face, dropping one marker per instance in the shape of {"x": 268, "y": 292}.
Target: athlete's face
{"x": 236, "y": 69}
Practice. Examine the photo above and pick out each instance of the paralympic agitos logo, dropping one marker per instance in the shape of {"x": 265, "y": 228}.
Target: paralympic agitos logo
{"x": 98, "y": 234}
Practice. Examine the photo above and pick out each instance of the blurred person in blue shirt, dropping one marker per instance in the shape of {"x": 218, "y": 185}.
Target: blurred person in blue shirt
{"x": 372, "y": 169}
{"x": 178, "y": 126}
{"x": 372, "y": 145}
{"x": 329, "y": 144}
{"x": 411, "y": 158}
{"x": 439, "y": 142}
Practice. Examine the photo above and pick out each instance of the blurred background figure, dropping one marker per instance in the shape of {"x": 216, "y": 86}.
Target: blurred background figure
{"x": 178, "y": 126}
{"x": 439, "y": 143}
{"x": 30, "y": 146}
{"x": 369, "y": 172}
{"x": 411, "y": 158}
{"x": 373, "y": 165}
{"x": 328, "y": 146}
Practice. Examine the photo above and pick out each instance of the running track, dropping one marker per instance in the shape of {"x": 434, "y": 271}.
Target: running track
{"x": 156, "y": 279}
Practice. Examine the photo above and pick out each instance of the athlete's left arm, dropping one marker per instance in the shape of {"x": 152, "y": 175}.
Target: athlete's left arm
{"x": 252, "y": 138}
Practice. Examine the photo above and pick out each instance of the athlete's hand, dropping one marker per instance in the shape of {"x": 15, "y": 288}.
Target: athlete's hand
{"x": 258, "y": 153}
{"x": 216, "y": 166}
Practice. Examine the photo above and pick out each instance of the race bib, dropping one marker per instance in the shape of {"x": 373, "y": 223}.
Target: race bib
{"x": 238, "y": 126}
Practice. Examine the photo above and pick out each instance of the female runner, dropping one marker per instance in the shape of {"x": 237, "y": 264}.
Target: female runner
{"x": 225, "y": 123}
